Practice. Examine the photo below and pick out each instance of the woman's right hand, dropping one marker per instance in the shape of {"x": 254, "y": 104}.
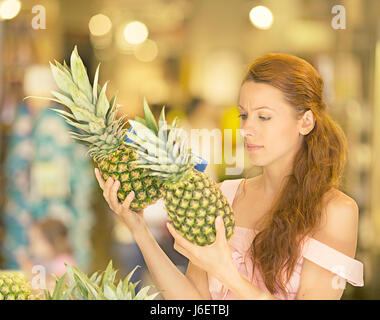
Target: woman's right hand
{"x": 133, "y": 220}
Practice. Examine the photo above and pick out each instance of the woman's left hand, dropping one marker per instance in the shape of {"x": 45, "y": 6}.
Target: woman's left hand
{"x": 215, "y": 258}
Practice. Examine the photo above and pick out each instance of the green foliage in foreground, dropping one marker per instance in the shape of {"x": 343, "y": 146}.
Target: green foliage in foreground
{"x": 75, "y": 285}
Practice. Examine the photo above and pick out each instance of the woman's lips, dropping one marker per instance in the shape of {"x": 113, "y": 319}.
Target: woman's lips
{"x": 252, "y": 147}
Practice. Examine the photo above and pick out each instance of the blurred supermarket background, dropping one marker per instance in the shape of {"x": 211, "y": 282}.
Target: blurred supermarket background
{"x": 189, "y": 55}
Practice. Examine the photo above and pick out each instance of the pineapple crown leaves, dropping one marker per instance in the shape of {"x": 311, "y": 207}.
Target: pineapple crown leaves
{"x": 152, "y": 133}
{"x": 79, "y": 74}
{"x": 149, "y": 121}
{"x": 166, "y": 154}
{"x": 91, "y": 112}
{"x": 99, "y": 286}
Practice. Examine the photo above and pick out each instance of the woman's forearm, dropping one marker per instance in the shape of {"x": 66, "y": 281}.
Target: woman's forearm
{"x": 171, "y": 282}
{"x": 243, "y": 289}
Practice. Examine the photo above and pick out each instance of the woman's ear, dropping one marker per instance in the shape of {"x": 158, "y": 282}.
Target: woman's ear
{"x": 307, "y": 123}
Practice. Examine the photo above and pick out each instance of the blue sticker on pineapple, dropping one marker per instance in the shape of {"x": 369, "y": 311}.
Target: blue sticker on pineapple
{"x": 201, "y": 163}
{"x": 126, "y": 139}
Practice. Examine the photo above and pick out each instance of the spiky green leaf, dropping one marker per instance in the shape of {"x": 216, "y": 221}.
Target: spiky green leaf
{"x": 61, "y": 67}
{"x": 65, "y": 100}
{"x": 81, "y": 100}
{"x": 84, "y": 127}
{"x": 95, "y": 86}
{"x": 161, "y": 119}
{"x": 141, "y": 120}
{"x": 66, "y": 67}
{"x": 63, "y": 81}
{"x": 42, "y": 98}
{"x": 91, "y": 289}
{"x": 59, "y": 288}
{"x": 129, "y": 276}
{"x": 79, "y": 74}
{"x": 102, "y": 104}
{"x": 149, "y": 118}
{"x": 142, "y": 293}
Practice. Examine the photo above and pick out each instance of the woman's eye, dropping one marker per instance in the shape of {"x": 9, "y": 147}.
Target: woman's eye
{"x": 264, "y": 118}
{"x": 243, "y": 116}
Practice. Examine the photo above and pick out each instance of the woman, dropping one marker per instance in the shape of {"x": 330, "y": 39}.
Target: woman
{"x": 296, "y": 233}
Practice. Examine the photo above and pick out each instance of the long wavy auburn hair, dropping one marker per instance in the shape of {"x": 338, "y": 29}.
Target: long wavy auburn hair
{"x": 317, "y": 167}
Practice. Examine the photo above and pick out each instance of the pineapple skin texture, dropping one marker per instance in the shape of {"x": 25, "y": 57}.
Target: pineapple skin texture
{"x": 192, "y": 206}
{"x": 13, "y": 286}
{"x": 118, "y": 166}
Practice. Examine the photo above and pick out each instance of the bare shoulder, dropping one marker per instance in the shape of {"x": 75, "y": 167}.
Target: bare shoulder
{"x": 339, "y": 206}
{"x": 241, "y": 185}
{"x": 339, "y": 225}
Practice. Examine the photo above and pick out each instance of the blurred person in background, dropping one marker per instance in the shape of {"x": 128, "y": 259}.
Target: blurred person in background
{"x": 49, "y": 246}
{"x": 48, "y": 174}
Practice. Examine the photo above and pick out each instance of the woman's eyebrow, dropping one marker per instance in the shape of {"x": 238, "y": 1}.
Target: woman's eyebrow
{"x": 258, "y": 108}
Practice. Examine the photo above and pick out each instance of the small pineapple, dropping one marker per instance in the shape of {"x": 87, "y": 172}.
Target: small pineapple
{"x": 75, "y": 285}
{"x": 13, "y": 286}
{"x": 192, "y": 199}
{"x": 95, "y": 116}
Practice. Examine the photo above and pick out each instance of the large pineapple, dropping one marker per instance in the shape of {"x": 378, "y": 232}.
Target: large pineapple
{"x": 192, "y": 199}
{"x": 75, "y": 285}
{"x": 95, "y": 117}
{"x": 13, "y": 286}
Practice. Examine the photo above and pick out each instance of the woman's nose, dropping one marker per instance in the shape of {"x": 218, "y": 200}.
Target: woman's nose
{"x": 248, "y": 130}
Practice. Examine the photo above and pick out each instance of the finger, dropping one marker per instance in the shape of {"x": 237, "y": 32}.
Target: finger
{"x": 220, "y": 229}
{"x": 141, "y": 212}
{"x": 99, "y": 178}
{"x": 107, "y": 188}
{"x": 127, "y": 202}
{"x": 187, "y": 245}
{"x": 114, "y": 201}
{"x": 182, "y": 250}
{"x": 173, "y": 231}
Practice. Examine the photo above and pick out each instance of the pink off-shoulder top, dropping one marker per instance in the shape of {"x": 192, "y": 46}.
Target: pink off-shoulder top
{"x": 344, "y": 266}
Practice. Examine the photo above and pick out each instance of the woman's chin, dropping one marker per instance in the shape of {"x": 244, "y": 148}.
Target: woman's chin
{"x": 256, "y": 162}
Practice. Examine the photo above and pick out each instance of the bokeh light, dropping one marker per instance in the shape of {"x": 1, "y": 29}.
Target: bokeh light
{"x": 146, "y": 51}
{"x": 261, "y": 17}
{"x": 135, "y": 32}
{"x": 100, "y": 25}
{"x": 9, "y": 9}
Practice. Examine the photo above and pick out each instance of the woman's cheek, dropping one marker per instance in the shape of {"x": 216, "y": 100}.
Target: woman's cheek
{"x": 288, "y": 138}
{"x": 279, "y": 139}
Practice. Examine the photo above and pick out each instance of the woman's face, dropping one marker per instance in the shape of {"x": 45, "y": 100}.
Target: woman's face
{"x": 269, "y": 123}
